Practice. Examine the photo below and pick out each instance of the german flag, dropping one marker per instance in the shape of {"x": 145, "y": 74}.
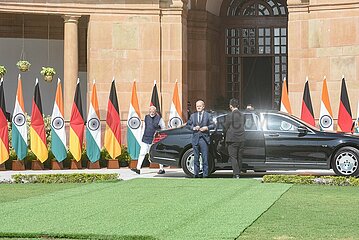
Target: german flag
{"x": 113, "y": 125}
{"x": 37, "y": 127}
{"x": 155, "y": 100}
{"x": 4, "y": 134}
{"x": 77, "y": 125}
{"x": 307, "y": 114}
{"x": 345, "y": 120}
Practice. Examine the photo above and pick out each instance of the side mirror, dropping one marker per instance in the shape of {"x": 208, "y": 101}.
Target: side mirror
{"x": 302, "y": 130}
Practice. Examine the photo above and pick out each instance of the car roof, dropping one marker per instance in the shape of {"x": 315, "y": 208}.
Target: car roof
{"x": 259, "y": 111}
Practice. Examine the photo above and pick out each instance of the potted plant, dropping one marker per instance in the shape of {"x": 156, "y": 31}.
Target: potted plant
{"x": 2, "y": 71}
{"x": 111, "y": 163}
{"x": 23, "y": 65}
{"x": 48, "y": 73}
{"x": 124, "y": 158}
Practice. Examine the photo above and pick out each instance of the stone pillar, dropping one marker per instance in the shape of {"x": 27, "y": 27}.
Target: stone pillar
{"x": 174, "y": 51}
{"x": 204, "y": 61}
{"x": 71, "y": 60}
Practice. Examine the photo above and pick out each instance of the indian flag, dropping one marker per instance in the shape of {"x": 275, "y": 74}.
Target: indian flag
{"x": 58, "y": 132}
{"x": 326, "y": 114}
{"x": 175, "y": 118}
{"x": 93, "y": 128}
{"x": 284, "y": 103}
{"x": 134, "y": 126}
{"x": 19, "y": 126}
{"x": 37, "y": 127}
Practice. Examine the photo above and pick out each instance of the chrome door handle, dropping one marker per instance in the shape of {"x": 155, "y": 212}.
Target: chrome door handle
{"x": 274, "y": 134}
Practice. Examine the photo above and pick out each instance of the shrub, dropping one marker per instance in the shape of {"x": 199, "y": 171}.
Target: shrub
{"x": 323, "y": 180}
{"x": 64, "y": 178}
{"x": 124, "y": 158}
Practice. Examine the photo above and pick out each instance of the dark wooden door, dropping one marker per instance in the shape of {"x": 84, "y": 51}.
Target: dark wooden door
{"x": 257, "y": 84}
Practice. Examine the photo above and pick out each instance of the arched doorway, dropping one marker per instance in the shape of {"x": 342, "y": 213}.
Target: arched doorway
{"x": 254, "y": 61}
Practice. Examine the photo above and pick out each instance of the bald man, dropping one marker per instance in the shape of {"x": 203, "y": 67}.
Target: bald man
{"x": 200, "y": 122}
{"x": 153, "y": 122}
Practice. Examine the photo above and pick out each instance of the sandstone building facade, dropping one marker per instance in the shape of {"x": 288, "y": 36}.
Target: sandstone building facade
{"x": 215, "y": 49}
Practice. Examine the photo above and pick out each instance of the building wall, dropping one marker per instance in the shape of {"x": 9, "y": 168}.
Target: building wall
{"x": 142, "y": 40}
{"x": 37, "y": 54}
{"x": 147, "y": 40}
{"x": 323, "y": 41}
{"x": 138, "y": 45}
{"x": 204, "y": 58}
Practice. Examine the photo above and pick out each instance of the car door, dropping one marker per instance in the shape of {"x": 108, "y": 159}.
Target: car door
{"x": 254, "y": 148}
{"x": 285, "y": 145}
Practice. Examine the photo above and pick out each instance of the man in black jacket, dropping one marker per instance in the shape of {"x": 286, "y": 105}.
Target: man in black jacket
{"x": 200, "y": 123}
{"x": 234, "y": 129}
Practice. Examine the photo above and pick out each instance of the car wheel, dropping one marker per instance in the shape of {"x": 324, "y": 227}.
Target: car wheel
{"x": 187, "y": 163}
{"x": 346, "y": 161}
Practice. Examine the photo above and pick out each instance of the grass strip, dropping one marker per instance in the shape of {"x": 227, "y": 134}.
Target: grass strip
{"x": 160, "y": 208}
{"x": 71, "y": 236}
{"x": 12, "y": 192}
{"x": 310, "y": 212}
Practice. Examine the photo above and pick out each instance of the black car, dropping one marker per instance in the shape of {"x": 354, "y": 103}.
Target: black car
{"x": 273, "y": 141}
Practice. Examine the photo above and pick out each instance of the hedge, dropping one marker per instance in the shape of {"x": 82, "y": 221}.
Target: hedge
{"x": 323, "y": 180}
{"x": 63, "y": 178}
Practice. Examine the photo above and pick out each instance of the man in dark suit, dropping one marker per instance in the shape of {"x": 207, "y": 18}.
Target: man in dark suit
{"x": 234, "y": 129}
{"x": 200, "y": 122}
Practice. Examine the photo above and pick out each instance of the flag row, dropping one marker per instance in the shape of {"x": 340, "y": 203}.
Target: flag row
{"x": 112, "y": 135}
{"x": 345, "y": 121}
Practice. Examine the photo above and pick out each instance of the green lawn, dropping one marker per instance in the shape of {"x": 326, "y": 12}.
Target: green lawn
{"x": 179, "y": 209}
{"x": 11, "y": 192}
{"x": 136, "y": 209}
{"x": 310, "y": 212}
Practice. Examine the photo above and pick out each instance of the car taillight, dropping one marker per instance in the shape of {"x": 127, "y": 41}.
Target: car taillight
{"x": 159, "y": 137}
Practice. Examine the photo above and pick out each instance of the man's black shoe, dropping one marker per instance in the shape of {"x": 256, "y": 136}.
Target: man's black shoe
{"x": 196, "y": 176}
{"x": 135, "y": 170}
{"x": 236, "y": 176}
{"x": 161, "y": 171}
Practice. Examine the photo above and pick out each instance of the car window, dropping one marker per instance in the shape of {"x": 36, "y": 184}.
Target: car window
{"x": 220, "y": 122}
{"x": 249, "y": 123}
{"x": 280, "y": 123}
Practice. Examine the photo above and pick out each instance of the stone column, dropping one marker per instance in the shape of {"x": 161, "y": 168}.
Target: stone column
{"x": 174, "y": 50}
{"x": 71, "y": 59}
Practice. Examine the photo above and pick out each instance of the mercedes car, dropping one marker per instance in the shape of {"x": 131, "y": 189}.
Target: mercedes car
{"x": 273, "y": 141}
